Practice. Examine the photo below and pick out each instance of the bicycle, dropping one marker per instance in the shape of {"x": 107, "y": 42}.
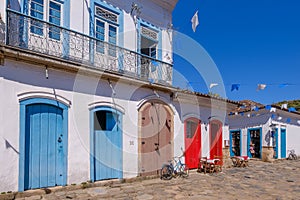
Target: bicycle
{"x": 292, "y": 155}
{"x": 170, "y": 170}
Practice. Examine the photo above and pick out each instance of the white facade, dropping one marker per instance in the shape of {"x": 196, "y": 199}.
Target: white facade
{"x": 271, "y": 124}
{"x": 82, "y": 87}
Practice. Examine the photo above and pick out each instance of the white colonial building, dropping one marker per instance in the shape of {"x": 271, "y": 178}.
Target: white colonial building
{"x": 87, "y": 94}
{"x": 268, "y": 129}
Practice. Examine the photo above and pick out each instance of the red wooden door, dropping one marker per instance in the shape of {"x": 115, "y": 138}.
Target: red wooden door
{"x": 215, "y": 138}
{"x": 192, "y": 134}
{"x": 155, "y": 138}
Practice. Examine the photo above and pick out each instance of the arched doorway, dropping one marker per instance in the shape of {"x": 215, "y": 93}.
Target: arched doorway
{"x": 215, "y": 138}
{"x": 192, "y": 132}
{"x": 155, "y": 137}
{"x": 43, "y": 143}
{"x": 106, "y": 144}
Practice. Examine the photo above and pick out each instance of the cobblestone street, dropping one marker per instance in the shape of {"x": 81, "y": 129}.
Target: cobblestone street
{"x": 278, "y": 180}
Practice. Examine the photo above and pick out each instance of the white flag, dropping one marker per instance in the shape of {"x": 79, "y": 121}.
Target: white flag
{"x": 273, "y": 110}
{"x": 298, "y": 121}
{"x": 279, "y": 118}
{"x": 195, "y": 21}
{"x": 284, "y": 106}
{"x": 213, "y": 85}
{"x": 261, "y": 86}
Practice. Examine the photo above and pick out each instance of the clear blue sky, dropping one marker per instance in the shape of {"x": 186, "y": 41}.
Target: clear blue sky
{"x": 250, "y": 42}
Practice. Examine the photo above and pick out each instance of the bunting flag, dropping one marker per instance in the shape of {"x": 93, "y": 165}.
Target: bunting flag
{"x": 248, "y": 115}
{"x": 213, "y": 85}
{"x": 268, "y": 107}
{"x": 298, "y": 121}
{"x": 283, "y": 85}
{"x": 292, "y": 109}
{"x": 273, "y": 110}
{"x": 261, "y": 87}
{"x": 284, "y": 106}
{"x": 235, "y": 87}
{"x": 279, "y": 118}
{"x": 195, "y": 21}
{"x": 288, "y": 120}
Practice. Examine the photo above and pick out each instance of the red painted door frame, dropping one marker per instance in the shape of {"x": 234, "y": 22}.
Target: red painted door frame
{"x": 192, "y": 133}
{"x": 215, "y": 138}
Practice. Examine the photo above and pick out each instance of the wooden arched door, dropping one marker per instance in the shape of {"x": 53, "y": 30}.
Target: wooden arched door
{"x": 155, "y": 137}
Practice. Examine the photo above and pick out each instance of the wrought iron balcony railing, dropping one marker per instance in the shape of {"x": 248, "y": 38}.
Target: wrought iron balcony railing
{"x": 39, "y": 36}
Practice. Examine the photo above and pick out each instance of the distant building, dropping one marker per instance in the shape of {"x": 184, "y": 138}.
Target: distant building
{"x": 263, "y": 128}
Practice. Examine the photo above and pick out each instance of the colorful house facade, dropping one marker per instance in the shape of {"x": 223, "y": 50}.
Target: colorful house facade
{"x": 264, "y": 129}
{"x": 88, "y": 94}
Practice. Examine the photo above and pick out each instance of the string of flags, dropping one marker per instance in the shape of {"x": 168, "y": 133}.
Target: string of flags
{"x": 236, "y": 87}
{"x": 271, "y": 109}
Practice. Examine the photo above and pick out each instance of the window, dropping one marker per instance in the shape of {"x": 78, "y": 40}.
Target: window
{"x": 54, "y": 18}
{"x": 37, "y": 10}
{"x": 100, "y": 35}
{"x": 191, "y": 127}
{"x": 105, "y": 120}
{"x": 149, "y": 42}
{"x": 106, "y": 31}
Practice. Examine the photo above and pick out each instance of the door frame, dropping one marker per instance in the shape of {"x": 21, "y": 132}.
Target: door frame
{"x": 283, "y": 144}
{"x": 215, "y": 121}
{"x": 92, "y": 111}
{"x": 230, "y": 141}
{"x": 249, "y": 138}
{"x": 23, "y": 105}
{"x": 141, "y": 108}
{"x": 195, "y": 119}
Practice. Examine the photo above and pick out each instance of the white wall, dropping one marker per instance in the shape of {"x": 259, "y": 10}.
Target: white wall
{"x": 293, "y": 138}
{"x": 81, "y": 91}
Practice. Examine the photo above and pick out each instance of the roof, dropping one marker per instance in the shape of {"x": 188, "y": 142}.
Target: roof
{"x": 249, "y": 105}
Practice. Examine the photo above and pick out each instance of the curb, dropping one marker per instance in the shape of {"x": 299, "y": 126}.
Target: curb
{"x": 83, "y": 185}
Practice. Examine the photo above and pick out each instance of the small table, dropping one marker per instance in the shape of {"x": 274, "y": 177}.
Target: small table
{"x": 209, "y": 165}
{"x": 240, "y": 161}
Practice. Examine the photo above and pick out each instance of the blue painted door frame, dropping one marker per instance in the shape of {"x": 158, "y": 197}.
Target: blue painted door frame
{"x": 106, "y": 145}
{"x": 231, "y": 152}
{"x": 277, "y": 142}
{"x": 249, "y": 140}
{"x": 283, "y": 143}
{"x": 43, "y": 141}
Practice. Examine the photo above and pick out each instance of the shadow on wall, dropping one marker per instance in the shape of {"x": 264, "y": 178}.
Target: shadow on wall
{"x": 9, "y": 146}
{"x": 268, "y": 138}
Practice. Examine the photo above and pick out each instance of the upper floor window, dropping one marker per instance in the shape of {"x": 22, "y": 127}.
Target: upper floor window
{"x": 106, "y": 31}
{"x": 149, "y": 42}
{"x": 47, "y": 10}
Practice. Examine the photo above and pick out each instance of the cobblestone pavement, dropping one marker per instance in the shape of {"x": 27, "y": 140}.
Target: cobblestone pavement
{"x": 278, "y": 180}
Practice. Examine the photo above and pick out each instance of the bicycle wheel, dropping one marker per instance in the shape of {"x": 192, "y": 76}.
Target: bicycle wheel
{"x": 166, "y": 172}
{"x": 290, "y": 157}
{"x": 294, "y": 157}
{"x": 184, "y": 171}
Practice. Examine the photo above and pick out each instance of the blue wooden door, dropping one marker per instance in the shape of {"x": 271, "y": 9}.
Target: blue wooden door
{"x": 44, "y": 146}
{"x": 283, "y": 143}
{"x": 108, "y": 159}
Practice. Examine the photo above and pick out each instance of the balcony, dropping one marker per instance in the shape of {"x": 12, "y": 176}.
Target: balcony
{"x": 38, "y": 36}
